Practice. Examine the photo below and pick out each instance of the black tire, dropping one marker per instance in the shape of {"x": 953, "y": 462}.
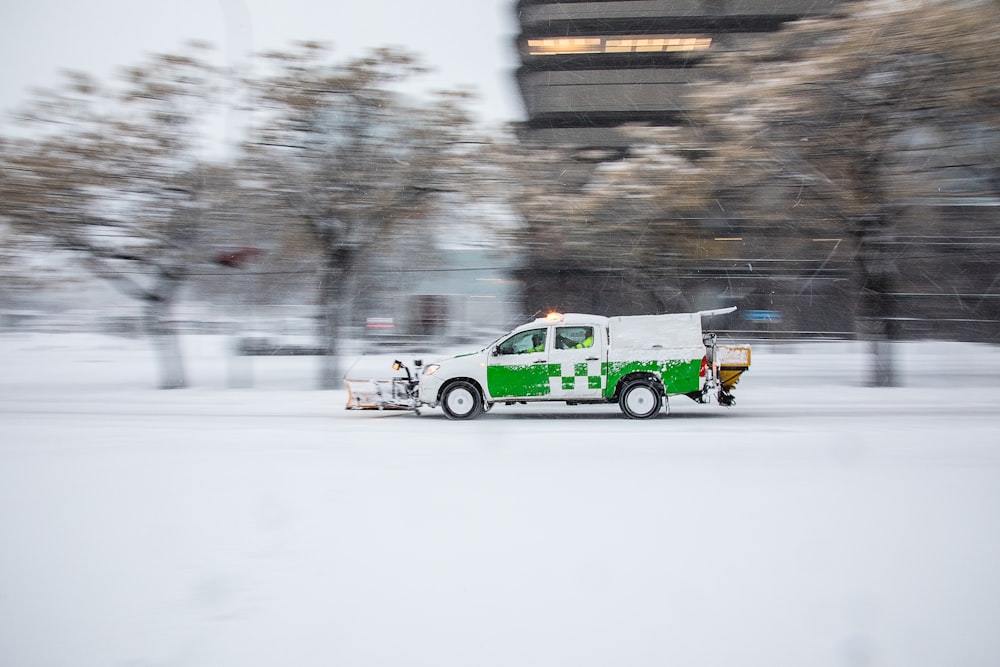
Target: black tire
{"x": 461, "y": 400}
{"x": 640, "y": 399}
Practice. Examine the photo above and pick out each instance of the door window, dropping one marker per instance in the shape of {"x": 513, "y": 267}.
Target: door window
{"x": 524, "y": 342}
{"x": 574, "y": 338}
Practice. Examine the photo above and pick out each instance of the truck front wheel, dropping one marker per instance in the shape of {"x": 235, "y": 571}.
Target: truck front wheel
{"x": 640, "y": 400}
{"x": 461, "y": 400}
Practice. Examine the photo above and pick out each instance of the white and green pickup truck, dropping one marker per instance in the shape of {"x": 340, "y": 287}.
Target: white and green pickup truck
{"x": 635, "y": 361}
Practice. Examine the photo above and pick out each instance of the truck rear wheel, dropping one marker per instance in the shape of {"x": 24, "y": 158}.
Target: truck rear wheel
{"x": 461, "y": 400}
{"x": 640, "y": 400}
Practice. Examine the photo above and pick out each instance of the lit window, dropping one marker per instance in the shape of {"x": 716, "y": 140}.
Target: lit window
{"x": 623, "y": 44}
{"x": 564, "y": 45}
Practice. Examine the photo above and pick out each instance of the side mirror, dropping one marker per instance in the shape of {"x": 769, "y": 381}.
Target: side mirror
{"x": 496, "y": 351}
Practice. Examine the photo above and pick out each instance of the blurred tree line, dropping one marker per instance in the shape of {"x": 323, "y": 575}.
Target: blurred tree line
{"x": 856, "y": 142}
{"x": 884, "y": 121}
{"x": 334, "y": 167}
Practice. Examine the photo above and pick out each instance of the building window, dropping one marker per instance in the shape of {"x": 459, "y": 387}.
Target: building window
{"x": 618, "y": 44}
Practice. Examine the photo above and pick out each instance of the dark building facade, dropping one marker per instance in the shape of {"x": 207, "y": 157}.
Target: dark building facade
{"x": 590, "y": 67}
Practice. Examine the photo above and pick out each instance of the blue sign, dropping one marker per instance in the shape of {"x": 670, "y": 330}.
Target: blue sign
{"x": 762, "y": 315}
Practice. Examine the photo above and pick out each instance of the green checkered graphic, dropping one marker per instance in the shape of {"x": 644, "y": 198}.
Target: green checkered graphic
{"x": 679, "y": 376}
{"x": 577, "y": 376}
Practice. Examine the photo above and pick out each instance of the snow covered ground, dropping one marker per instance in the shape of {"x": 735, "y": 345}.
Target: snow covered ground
{"x": 816, "y": 523}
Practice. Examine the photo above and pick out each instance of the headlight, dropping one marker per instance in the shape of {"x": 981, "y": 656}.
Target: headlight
{"x": 431, "y": 369}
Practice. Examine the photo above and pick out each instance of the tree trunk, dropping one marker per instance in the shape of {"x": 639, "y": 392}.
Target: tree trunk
{"x": 878, "y": 305}
{"x": 335, "y": 311}
{"x": 158, "y": 303}
{"x": 166, "y": 343}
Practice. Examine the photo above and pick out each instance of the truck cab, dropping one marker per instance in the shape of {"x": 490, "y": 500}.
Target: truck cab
{"x": 556, "y": 358}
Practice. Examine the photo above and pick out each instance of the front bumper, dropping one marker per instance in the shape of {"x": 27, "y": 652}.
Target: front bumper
{"x": 430, "y": 387}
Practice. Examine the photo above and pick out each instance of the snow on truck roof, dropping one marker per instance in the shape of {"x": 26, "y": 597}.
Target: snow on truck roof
{"x": 582, "y": 318}
{"x": 639, "y": 332}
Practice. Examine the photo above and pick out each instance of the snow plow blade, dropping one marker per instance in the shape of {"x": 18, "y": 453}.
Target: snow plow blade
{"x": 376, "y": 395}
{"x": 395, "y": 393}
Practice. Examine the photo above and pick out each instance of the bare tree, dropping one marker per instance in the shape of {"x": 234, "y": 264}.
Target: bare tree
{"x": 353, "y": 160}
{"x": 614, "y": 213}
{"x": 115, "y": 174}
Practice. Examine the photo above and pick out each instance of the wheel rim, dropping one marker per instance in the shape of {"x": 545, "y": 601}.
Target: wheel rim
{"x": 460, "y": 401}
{"x": 640, "y": 400}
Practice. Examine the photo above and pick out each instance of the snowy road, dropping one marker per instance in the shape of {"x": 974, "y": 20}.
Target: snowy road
{"x": 818, "y": 522}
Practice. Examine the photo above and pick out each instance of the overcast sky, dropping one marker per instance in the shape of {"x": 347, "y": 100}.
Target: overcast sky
{"x": 468, "y": 43}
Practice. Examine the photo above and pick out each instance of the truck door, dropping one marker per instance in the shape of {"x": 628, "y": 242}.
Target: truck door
{"x": 517, "y": 366}
{"x": 576, "y": 353}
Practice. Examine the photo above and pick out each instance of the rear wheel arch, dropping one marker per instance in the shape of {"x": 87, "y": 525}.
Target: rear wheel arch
{"x": 651, "y": 378}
